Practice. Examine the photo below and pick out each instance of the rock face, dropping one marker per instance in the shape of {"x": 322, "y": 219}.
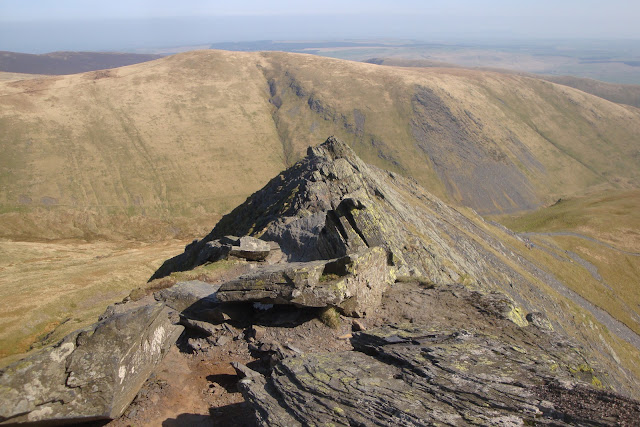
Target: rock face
{"x": 353, "y": 283}
{"x": 92, "y": 374}
{"x": 416, "y": 379}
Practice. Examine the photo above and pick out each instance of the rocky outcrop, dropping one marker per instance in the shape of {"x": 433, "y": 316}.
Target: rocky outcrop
{"x": 409, "y": 377}
{"x": 92, "y": 374}
{"x": 331, "y": 204}
{"x": 457, "y": 363}
{"x": 353, "y": 283}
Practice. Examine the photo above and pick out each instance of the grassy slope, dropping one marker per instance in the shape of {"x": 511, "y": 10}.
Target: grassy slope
{"x": 620, "y": 93}
{"x": 5, "y": 76}
{"x": 51, "y": 289}
{"x": 171, "y": 144}
{"x": 611, "y": 217}
{"x": 514, "y": 120}
{"x": 185, "y": 137}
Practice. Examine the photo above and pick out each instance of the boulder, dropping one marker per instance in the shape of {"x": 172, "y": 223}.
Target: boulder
{"x": 353, "y": 283}
{"x": 92, "y": 374}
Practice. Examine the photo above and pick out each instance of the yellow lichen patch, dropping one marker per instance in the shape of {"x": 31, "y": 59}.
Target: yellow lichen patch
{"x": 581, "y": 368}
{"x": 517, "y": 316}
{"x": 321, "y": 376}
{"x": 596, "y": 382}
{"x": 461, "y": 366}
{"x": 519, "y": 349}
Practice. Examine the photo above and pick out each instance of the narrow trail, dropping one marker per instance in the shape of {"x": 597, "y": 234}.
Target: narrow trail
{"x": 580, "y": 236}
{"x": 614, "y": 325}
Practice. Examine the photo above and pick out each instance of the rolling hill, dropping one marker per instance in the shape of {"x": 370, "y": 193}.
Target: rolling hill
{"x": 163, "y": 148}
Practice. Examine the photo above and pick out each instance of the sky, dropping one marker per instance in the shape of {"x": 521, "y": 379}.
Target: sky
{"x": 46, "y": 25}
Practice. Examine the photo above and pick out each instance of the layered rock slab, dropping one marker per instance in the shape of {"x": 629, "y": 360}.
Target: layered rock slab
{"x": 414, "y": 375}
{"x": 460, "y": 361}
{"x": 353, "y": 283}
{"x": 92, "y": 374}
{"x": 189, "y": 295}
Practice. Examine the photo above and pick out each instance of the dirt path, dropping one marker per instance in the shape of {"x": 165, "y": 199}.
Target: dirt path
{"x": 578, "y": 235}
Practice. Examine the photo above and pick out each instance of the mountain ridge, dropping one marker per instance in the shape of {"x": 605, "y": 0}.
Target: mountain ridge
{"x": 331, "y": 204}
{"x": 628, "y": 94}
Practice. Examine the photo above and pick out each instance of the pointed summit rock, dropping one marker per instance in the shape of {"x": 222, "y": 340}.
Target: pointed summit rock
{"x": 331, "y": 204}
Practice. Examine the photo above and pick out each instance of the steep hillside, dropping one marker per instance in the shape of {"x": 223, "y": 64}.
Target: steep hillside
{"x": 162, "y": 148}
{"x": 57, "y": 63}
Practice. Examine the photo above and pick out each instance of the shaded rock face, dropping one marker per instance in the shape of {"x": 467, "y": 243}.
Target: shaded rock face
{"x": 92, "y": 374}
{"x": 189, "y": 295}
{"x": 331, "y": 204}
{"x": 478, "y": 173}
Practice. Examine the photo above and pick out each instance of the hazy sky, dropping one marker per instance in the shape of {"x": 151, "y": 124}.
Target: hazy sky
{"x": 44, "y": 25}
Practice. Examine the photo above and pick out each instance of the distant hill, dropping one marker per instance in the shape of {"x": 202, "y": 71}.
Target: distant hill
{"x": 620, "y": 93}
{"x": 164, "y": 148}
{"x": 58, "y": 63}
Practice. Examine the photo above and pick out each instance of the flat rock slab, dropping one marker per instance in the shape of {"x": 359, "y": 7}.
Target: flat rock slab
{"x": 250, "y": 248}
{"x": 92, "y": 374}
{"x": 193, "y": 294}
{"x": 353, "y": 283}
